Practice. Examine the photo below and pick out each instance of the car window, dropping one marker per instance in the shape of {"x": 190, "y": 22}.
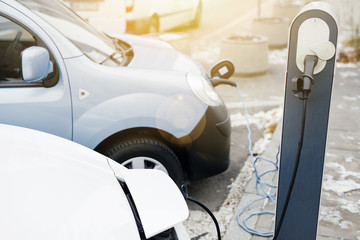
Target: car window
{"x": 13, "y": 40}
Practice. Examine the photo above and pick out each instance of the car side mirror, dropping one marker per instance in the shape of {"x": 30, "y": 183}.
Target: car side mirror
{"x": 224, "y": 70}
{"x": 35, "y": 64}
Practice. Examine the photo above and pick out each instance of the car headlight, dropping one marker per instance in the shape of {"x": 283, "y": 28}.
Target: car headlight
{"x": 203, "y": 89}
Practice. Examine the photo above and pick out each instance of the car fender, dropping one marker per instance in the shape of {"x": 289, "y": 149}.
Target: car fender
{"x": 107, "y": 100}
{"x": 177, "y": 115}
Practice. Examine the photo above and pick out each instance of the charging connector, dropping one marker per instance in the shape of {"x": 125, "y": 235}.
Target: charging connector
{"x": 303, "y": 83}
{"x": 310, "y": 62}
{"x": 218, "y": 81}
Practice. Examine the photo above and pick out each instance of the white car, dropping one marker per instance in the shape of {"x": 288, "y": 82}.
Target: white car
{"x": 52, "y": 188}
{"x": 146, "y": 16}
{"x": 106, "y": 15}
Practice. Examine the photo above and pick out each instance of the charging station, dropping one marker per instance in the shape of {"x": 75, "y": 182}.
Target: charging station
{"x": 309, "y": 81}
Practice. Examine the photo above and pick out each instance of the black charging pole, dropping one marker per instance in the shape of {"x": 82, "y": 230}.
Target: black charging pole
{"x": 305, "y": 121}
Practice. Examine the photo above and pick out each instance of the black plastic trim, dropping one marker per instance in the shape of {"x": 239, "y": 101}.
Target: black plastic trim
{"x": 133, "y": 209}
{"x": 11, "y": 85}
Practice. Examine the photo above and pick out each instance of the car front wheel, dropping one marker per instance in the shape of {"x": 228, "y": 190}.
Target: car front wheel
{"x": 147, "y": 153}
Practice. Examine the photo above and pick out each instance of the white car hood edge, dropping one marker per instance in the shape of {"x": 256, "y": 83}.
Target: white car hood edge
{"x": 158, "y": 200}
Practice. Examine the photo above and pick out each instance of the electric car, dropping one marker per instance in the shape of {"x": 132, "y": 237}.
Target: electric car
{"x": 133, "y": 99}
{"x": 52, "y": 188}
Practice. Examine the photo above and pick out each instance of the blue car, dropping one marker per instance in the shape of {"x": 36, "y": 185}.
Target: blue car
{"x": 133, "y": 99}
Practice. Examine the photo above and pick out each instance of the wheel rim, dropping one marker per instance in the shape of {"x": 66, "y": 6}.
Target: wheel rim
{"x": 144, "y": 163}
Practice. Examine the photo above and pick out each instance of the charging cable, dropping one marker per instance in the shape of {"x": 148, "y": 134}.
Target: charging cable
{"x": 302, "y": 85}
{"x": 301, "y": 88}
{"x": 295, "y": 170}
{"x": 185, "y": 192}
{"x": 259, "y": 183}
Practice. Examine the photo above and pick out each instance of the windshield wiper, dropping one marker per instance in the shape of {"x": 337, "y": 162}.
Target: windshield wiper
{"x": 114, "y": 56}
{"x": 123, "y": 50}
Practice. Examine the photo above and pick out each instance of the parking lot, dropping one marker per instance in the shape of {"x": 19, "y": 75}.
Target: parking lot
{"x": 164, "y": 115}
{"x": 263, "y": 105}
{"x": 263, "y": 95}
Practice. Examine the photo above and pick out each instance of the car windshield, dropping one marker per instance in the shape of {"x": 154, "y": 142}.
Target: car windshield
{"x": 96, "y": 45}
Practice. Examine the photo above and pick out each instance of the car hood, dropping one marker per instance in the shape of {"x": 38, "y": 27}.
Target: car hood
{"x": 53, "y": 188}
{"x": 155, "y": 54}
{"x": 56, "y": 189}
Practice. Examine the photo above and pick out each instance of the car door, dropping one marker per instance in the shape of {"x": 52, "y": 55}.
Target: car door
{"x": 43, "y": 105}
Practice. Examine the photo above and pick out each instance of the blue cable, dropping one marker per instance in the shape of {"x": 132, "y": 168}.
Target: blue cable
{"x": 263, "y": 194}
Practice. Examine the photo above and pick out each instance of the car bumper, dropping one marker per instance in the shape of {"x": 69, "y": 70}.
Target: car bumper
{"x": 208, "y": 155}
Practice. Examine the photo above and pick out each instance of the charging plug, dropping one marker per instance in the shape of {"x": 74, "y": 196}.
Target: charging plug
{"x": 218, "y": 81}
{"x": 221, "y": 72}
{"x": 310, "y": 62}
{"x": 303, "y": 83}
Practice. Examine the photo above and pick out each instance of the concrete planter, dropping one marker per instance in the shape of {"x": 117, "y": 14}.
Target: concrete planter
{"x": 274, "y": 28}
{"x": 249, "y": 53}
{"x": 287, "y": 9}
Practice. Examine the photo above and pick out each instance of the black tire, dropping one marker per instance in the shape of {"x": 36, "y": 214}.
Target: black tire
{"x": 147, "y": 153}
{"x": 195, "y": 23}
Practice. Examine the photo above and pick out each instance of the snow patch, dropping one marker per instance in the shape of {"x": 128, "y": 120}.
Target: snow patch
{"x": 347, "y": 137}
{"x": 354, "y": 108}
{"x": 331, "y": 155}
{"x": 260, "y": 119}
{"x": 346, "y": 65}
{"x": 347, "y": 74}
{"x": 344, "y": 183}
{"x": 278, "y": 57}
{"x": 330, "y": 214}
{"x": 353, "y": 207}
{"x": 340, "y": 106}
{"x": 206, "y": 53}
{"x": 351, "y": 158}
{"x": 345, "y": 224}
{"x": 348, "y": 98}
